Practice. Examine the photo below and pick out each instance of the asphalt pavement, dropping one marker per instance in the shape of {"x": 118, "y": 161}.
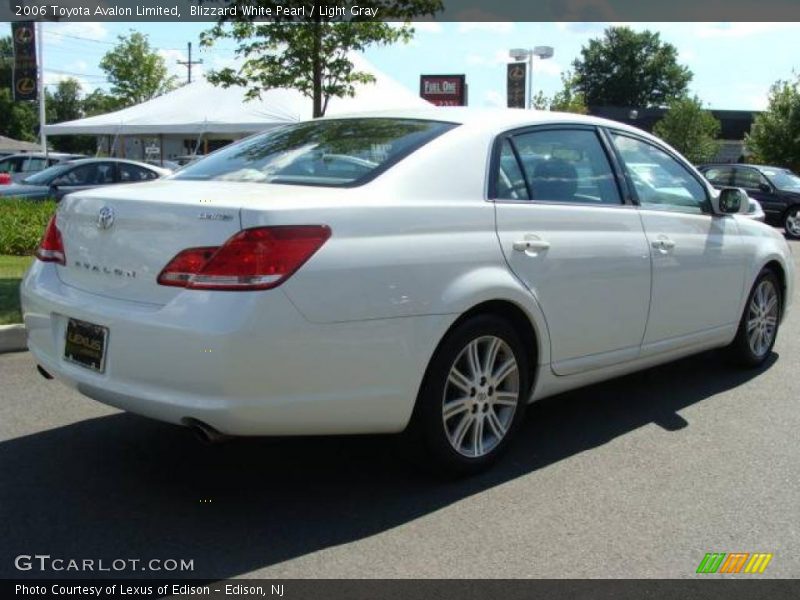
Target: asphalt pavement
{"x": 637, "y": 477}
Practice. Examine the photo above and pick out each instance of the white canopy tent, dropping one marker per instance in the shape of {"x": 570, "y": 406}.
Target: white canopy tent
{"x": 202, "y": 108}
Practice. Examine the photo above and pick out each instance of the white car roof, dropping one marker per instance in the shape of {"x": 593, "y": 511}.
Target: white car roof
{"x": 490, "y": 118}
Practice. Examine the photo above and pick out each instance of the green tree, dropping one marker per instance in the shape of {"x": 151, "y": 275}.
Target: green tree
{"x": 626, "y": 68}
{"x": 18, "y": 120}
{"x": 569, "y": 98}
{"x": 310, "y": 54}
{"x": 65, "y": 104}
{"x": 690, "y": 129}
{"x": 774, "y": 137}
{"x": 136, "y": 72}
{"x": 99, "y": 102}
{"x": 540, "y": 101}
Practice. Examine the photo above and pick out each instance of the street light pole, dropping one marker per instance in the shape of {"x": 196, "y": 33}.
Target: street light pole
{"x": 42, "y": 95}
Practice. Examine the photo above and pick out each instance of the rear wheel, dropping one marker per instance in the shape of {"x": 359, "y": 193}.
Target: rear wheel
{"x": 758, "y": 328}
{"x": 791, "y": 222}
{"x": 474, "y": 395}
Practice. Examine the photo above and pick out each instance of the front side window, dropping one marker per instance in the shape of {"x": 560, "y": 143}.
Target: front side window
{"x": 748, "y": 178}
{"x": 327, "y": 152}
{"x": 660, "y": 181}
{"x": 566, "y": 165}
{"x": 82, "y": 175}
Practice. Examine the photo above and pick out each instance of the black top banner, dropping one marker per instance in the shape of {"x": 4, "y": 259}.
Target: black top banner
{"x": 404, "y": 589}
{"x": 388, "y": 10}
{"x": 23, "y": 35}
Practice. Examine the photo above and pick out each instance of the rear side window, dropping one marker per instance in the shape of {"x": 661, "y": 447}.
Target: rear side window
{"x": 719, "y": 175}
{"x": 340, "y": 152}
{"x": 560, "y": 165}
{"x": 511, "y": 183}
{"x": 34, "y": 164}
{"x": 132, "y": 173}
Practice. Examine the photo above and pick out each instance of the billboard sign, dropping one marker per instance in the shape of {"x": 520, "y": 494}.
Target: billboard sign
{"x": 23, "y": 34}
{"x": 443, "y": 90}
{"x": 515, "y": 84}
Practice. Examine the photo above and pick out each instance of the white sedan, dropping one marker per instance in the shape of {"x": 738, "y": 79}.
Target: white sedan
{"x": 432, "y": 270}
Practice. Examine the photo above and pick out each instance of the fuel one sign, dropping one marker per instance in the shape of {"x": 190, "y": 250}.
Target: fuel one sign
{"x": 443, "y": 90}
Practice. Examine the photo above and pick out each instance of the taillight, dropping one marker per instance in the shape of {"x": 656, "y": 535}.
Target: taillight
{"x": 5, "y": 178}
{"x": 253, "y": 259}
{"x": 51, "y": 248}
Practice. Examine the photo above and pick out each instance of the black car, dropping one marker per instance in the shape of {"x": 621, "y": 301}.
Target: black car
{"x": 776, "y": 189}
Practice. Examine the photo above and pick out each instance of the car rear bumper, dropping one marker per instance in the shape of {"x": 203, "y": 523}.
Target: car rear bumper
{"x": 246, "y": 363}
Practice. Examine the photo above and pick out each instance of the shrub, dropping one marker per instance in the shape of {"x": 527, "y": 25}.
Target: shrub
{"x": 22, "y": 223}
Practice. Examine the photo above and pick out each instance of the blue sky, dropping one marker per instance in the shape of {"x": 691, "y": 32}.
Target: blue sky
{"x": 734, "y": 64}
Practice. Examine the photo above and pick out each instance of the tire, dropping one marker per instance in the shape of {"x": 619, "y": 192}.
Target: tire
{"x": 791, "y": 223}
{"x": 484, "y": 409}
{"x": 758, "y": 328}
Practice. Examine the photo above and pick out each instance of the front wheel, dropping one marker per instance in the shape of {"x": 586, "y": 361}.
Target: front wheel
{"x": 758, "y": 328}
{"x": 791, "y": 223}
{"x": 473, "y": 396}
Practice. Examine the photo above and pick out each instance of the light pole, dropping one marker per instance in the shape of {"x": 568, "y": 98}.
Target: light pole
{"x": 522, "y": 54}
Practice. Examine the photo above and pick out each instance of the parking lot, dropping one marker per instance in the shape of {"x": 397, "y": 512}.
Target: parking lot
{"x": 637, "y": 477}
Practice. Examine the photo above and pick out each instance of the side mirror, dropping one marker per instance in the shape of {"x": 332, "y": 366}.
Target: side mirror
{"x": 765, "y": 187}
{"x": 731, "y": 201}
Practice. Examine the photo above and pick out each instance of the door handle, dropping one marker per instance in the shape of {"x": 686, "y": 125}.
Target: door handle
{"x": 531, "y": 244}
{"x": 663, "y": 244}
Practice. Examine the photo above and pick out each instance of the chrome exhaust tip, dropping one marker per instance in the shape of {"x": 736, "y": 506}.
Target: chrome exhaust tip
{"x": 43, "y": 373}
{"x": 204, "y": 432}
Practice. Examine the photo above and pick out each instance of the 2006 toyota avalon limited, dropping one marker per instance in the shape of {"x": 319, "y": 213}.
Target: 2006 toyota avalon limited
{"x": 435, "y": 269}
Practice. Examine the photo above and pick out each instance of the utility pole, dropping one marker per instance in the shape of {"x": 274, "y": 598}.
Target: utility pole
{"x": 188, "y": 63}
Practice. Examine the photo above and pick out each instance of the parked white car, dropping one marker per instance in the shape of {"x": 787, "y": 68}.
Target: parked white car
{"x": 438, "y": 269}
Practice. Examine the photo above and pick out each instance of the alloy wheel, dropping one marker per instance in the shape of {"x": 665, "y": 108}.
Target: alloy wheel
{"x": 480, "y": 397}
{"x": 793, "y": 223}
{"x": 762, "y": 318}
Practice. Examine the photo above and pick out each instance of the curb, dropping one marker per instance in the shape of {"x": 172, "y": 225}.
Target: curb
{"x": 13, "y": 338}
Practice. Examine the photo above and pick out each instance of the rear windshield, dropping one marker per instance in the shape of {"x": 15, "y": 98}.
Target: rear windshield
{"x": 343, "y": 152}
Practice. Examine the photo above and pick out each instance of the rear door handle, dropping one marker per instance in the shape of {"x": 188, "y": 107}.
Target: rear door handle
{"x": 531, "y": 243}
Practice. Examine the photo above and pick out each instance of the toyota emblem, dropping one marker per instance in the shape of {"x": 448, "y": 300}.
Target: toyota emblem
{"x": 105, "y": 218}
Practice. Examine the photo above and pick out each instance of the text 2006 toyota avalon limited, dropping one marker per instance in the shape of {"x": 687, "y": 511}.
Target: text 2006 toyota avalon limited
{"x": 435, "y": 269}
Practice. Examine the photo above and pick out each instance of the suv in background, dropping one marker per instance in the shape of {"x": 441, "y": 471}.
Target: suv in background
{"x": 776, "y": 189}
{"x": 19, "y": 166}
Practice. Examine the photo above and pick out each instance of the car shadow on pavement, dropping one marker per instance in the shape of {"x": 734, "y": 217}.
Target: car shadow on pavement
{"x": 126, "y": 487}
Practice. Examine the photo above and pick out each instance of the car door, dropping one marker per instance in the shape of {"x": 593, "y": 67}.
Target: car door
{"x": 84, "y": 176}
{"x": 698, "y": 258}
{"x": 569, "y": 236}
{"x": 757, "y": 186}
